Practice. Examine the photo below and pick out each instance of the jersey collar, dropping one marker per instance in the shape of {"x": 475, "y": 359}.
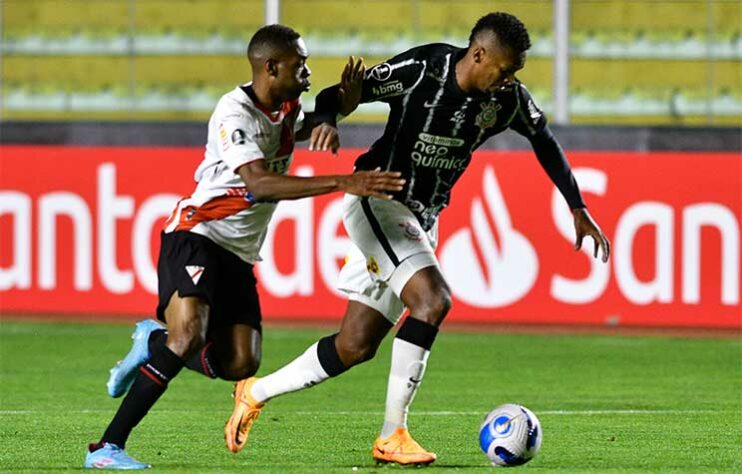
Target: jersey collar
{"x": 273, "y": 116}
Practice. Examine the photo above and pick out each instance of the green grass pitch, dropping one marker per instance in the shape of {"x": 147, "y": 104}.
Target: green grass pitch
{"x": 606, "y": 403}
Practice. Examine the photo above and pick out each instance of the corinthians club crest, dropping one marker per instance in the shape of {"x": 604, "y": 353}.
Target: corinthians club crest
{"x": 488, "y": 116}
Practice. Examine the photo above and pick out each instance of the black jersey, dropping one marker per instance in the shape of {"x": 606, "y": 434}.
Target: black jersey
{"x": 434, "y": 127}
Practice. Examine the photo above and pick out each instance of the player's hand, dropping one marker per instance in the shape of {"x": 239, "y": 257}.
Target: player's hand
{"x": 324, "y": 137}
{"x": 586, "y": 226}
{"x": 374, "y": 183}
{"x": 351, "y": 85}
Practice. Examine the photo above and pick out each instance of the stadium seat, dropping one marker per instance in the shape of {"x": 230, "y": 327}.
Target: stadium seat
{"x": 632, "y": 56}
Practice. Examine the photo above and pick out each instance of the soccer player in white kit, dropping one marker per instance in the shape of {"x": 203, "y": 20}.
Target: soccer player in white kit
{"x": 444, "y": 101}
{"x": 207, "y": 290}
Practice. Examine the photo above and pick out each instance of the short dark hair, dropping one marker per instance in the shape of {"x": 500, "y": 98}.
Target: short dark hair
{"x": 509, "y": 30}
{"x": 272, "y": 39}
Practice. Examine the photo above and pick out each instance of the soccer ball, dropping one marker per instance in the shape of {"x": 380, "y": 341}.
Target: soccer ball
{"x": 510, "y": 435}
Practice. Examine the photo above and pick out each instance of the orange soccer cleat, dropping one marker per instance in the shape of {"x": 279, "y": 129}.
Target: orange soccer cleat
{"x": 246, "y": 411}
{"x": 402, "y": 449}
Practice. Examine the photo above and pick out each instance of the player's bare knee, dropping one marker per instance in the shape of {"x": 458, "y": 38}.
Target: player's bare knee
{"x": 446, "y": 303}
{"x": 354, "y": 353}
{"x": 366, "y": 353}
{"x": 435, "y": 307}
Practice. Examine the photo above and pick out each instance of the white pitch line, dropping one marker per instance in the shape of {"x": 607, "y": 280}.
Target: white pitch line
{"x": 542, "y": 412}
{"x": 418, "y": 413}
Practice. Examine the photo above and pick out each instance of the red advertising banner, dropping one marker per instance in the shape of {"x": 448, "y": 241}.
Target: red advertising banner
{"x": 79, "y": 233}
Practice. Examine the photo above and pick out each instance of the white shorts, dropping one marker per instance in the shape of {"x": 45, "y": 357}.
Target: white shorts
{"x": 389, "y": 247}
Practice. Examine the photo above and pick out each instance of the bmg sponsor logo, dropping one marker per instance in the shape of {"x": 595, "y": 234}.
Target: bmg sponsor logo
{"x": 395, "y": 87}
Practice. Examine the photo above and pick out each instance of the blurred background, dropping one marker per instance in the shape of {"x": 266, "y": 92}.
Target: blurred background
{"x": 637, "y": 62}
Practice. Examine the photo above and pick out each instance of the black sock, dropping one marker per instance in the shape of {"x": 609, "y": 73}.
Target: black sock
{"x": 417, "y": 332}
{"x": 157, "y": 340}
{"x": 204, "y": 362}
{"x": 328, "y": 356}
{"x": 151, "y": 382}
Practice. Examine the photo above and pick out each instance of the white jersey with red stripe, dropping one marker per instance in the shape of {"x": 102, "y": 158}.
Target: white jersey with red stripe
{"x": 222, "y": 208}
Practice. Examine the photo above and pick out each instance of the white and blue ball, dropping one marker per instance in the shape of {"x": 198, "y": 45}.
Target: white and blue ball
{"x": 510, "y": 435}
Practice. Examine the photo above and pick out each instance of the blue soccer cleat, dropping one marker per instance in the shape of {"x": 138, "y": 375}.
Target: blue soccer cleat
{"x": 123, "y": 374}
{"x": 110, "y": 456}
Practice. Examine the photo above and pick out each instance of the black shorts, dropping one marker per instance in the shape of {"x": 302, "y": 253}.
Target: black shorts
{"x": 193, "y": 265}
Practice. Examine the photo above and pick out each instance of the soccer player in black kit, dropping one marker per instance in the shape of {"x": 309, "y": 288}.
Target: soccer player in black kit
{"x": 444, "y": 102}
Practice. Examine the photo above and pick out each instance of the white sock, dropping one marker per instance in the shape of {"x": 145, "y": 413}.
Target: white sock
{"x": 408, "y": 368}
{"x": 302, "y": 372}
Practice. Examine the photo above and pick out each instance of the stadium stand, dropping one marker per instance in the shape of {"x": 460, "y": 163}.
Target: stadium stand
{"x": 637, "y": 61}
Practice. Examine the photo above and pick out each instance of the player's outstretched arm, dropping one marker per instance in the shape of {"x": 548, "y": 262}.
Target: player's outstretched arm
{"x": 351, "y": 86}
{"x": 265, "y": 185}
{"x": 374, "y": 183}
{"x": 552, "y": 159}
{"x": 320, "y": 126}
{"x": 341, "y": 99}
{"x": 586, "y": 226}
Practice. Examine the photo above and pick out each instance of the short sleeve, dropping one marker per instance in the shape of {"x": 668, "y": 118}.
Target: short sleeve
{"x": 236, "y": 134}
